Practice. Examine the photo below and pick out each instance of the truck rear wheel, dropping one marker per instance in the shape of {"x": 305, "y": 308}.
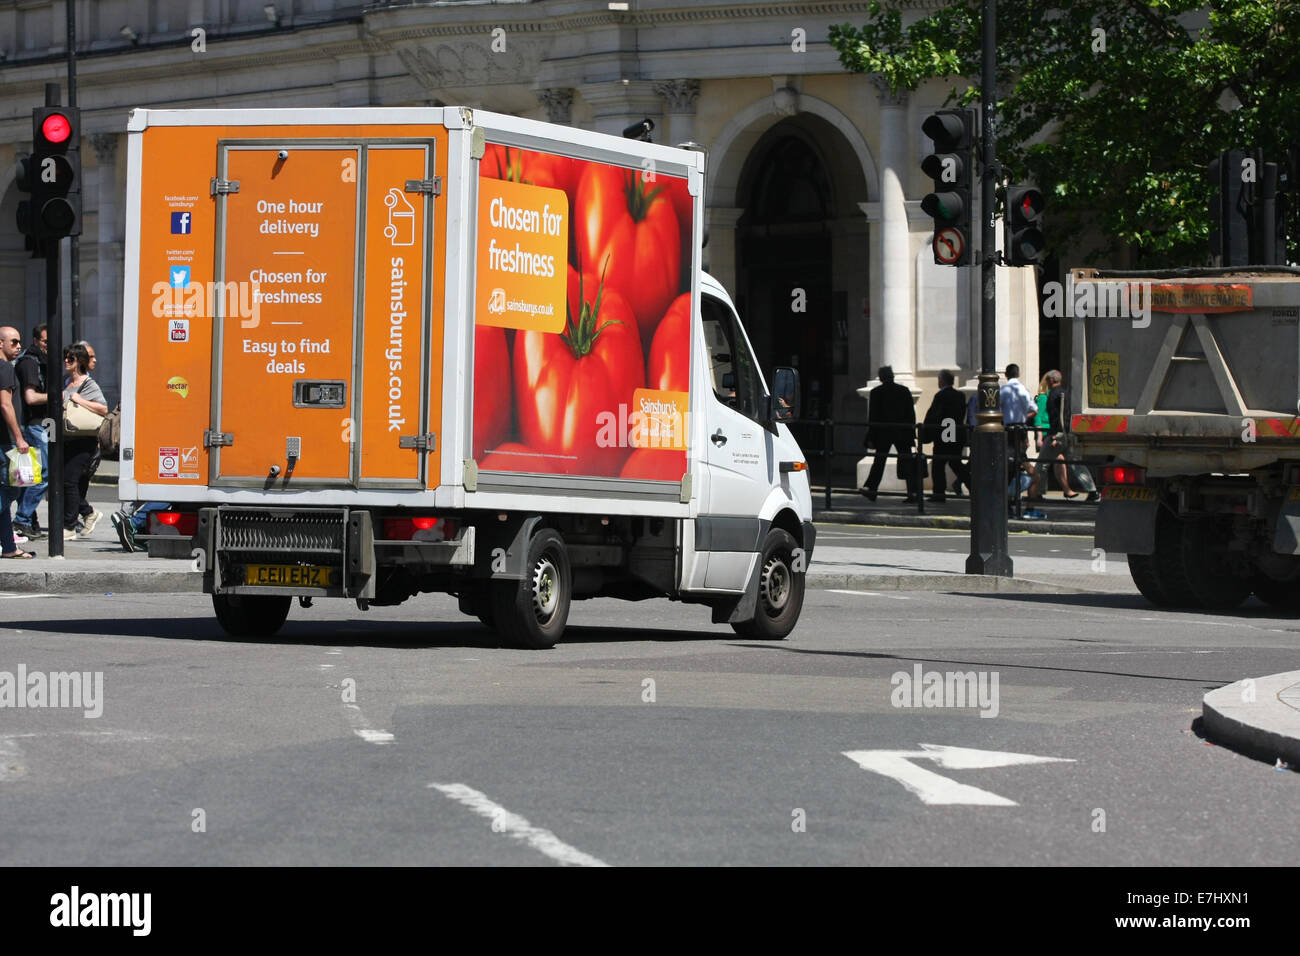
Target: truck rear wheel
{"x": 1193, "y": 566}
{"x": 1284, "y": 595}
{"x": 251, "y": 615}
{"x": 1144, "y": 571}
{"x": 532, "y": 613}
{"x": 780, "y": 591}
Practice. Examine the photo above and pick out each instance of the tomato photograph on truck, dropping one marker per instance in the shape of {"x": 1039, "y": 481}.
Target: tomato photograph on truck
{"x": 399, "y": 351}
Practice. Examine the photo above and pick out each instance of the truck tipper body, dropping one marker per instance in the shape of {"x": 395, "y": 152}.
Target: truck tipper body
{"x": 377, "y": 352}
{"x": 1186, "y": 388}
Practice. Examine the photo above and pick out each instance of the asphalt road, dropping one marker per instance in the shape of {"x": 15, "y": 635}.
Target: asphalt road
{"x": 406, "y": 736}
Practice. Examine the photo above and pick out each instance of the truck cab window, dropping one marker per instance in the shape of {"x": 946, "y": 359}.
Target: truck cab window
{"x": 733, "y": 371}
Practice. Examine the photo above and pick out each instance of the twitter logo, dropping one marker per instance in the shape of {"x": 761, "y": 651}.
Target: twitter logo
{"x": 180, "y": 276}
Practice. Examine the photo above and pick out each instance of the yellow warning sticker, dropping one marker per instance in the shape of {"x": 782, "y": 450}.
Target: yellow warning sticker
{"x": 1103, "y": 380}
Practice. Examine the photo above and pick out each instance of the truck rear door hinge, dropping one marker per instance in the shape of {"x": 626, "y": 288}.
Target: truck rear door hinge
{"x": 431, "y": 186}
{"x": 425, "y": 443}
{"x": 213, "y": 439}
{"x": 221, "y": 187}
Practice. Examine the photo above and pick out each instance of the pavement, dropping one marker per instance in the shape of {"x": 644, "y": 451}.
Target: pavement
{"x": 1258, "y": 716}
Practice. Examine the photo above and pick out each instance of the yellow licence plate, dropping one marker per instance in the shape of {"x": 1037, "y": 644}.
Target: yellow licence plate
{"x": 289, "y": 575}
{"x": 1122, "y": 493}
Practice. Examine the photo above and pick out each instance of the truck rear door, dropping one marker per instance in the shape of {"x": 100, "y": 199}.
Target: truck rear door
{"x": 322, "y": 286}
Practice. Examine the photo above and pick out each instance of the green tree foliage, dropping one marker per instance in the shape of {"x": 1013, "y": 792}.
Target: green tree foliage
{"x": 1113, "y": 107}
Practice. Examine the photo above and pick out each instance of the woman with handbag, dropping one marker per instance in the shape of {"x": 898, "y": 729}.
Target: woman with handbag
{"x": 84, "y": 409}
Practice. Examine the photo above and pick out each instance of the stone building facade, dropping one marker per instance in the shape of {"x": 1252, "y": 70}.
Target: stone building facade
{"x": 813, "y": 187}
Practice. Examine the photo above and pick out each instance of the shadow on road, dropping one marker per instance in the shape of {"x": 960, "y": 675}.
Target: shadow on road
{"x": 466, "y": 633}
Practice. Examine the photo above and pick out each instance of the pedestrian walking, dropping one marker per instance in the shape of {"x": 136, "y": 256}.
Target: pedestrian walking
{"x": 891, "y": 419}
{"x": 11, "y": 437}
{"x": 33, "y": 396}
{"x": 1058, "y": 416}
{"x": 80, "y": 389}
{"x": 944, "y": 419}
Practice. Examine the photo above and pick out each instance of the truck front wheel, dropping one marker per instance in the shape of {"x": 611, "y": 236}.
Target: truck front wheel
{"x": 532, "y": 613}
{"x": 251, "y": 615}
{"x": 780, "y": 590}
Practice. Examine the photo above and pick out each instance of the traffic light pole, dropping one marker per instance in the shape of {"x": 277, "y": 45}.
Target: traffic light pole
{"x": 988, "y": 527}
{"x": 54, "y": 396}
{"x": 74, "y": 243}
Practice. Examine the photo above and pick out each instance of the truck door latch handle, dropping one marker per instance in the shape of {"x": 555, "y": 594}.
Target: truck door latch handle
{"x": 718, "y": 438}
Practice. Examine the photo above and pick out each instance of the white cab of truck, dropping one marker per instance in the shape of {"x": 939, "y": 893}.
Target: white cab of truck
{"x": 375, "y": 353}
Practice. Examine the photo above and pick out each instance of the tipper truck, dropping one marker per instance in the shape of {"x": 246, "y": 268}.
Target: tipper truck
{"x": 371, "y": 353}
{"x": 1186, "y": 384}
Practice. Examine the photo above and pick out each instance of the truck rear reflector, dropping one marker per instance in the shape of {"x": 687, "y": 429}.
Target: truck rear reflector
{"x": 1123, "y": 475}
{"x": 417, "y": 528}
{"x": 160, "y": 522}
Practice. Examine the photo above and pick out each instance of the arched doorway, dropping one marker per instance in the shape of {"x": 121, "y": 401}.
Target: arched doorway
{"x": 801, "y": 262}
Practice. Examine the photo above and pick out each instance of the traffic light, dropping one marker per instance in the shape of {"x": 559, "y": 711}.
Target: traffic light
{"x": 1024, "y": 242}
{"x": 52, "y": 175}
{"x": 950, "y": 166}
{"x": 1229, "y": 213}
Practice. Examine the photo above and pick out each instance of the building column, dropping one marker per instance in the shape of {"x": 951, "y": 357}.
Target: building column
{"x": 103, "y": 327}
{"x": 558, "y": 103}
{"x": 680, "y": 97}
{"x": 618, "y": 104}
{"x": 891, "y": 245}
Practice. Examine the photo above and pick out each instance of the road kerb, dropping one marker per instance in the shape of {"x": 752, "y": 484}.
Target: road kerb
{"x": 1254, "y": 719}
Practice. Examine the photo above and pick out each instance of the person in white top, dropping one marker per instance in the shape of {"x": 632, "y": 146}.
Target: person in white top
{"x": 1017, "y": 403}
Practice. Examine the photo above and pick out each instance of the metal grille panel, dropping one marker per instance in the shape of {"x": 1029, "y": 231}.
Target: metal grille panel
{"x": 282, "y": 532}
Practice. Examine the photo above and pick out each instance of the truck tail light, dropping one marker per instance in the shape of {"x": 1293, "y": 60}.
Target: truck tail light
{"x": 1123, "y": 475}
{"x": 413, "y": 528}
{"x": 178, "y": 522}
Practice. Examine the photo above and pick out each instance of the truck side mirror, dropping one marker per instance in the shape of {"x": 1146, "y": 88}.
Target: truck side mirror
{"x": 785, "y": 394}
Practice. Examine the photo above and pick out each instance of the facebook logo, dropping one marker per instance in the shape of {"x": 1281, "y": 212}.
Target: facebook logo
{"x": 181, "y": 223}
{"x": 180, "y": 276}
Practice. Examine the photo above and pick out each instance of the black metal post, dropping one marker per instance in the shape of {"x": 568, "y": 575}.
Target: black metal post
{"x": 828, "y": 452}
{"x": 988, "y": 527}
{"x": 54, "y": 398}
{"x": 74, "y": 247}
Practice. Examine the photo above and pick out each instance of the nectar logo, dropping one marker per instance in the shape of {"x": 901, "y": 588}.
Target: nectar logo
{"x": 179, "y": 385}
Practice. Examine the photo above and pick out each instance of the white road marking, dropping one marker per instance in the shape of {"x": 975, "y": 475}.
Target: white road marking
{"x": 361, "y": 727}
{"x": 515, "y": 826}
{"x": 895, "y": 597}
{"x": 936, "y": 789}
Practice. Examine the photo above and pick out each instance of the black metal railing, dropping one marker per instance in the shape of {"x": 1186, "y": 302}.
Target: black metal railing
{"x": 826, "y": 452}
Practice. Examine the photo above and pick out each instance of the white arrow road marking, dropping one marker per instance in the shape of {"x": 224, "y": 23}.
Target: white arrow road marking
{"x": 503, "y": 821}
{"x": 935, "y": 788}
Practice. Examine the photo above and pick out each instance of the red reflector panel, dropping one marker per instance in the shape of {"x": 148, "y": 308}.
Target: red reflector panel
{"x": 185, "y": 524}
{"x": 424, "y": 524}
{"x": 1123, "y": 475}
{"x": 56, "y": 128}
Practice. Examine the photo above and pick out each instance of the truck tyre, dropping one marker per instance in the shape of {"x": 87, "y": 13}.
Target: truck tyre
{"x": 251, "y": 615}
{"x": 1143, "y": 569}
{"x": 780, "y": 590}
{"x": 1283, "y": 595}
{"x": 1193, "y": 567}
{"x": 532, "y": 613}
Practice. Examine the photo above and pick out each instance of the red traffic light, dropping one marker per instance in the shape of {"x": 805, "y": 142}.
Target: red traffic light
{"x": 56, "y": 128}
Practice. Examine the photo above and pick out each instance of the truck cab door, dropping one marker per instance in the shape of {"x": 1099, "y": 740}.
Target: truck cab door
{"x": 739, "y": 452}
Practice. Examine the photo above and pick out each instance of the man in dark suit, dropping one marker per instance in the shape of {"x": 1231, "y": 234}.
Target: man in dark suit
{"x": 945, "y": 418}
{"x": 890, "y": 423}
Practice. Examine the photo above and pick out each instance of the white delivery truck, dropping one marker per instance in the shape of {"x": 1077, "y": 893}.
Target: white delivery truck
{"x": 371, "y": 353}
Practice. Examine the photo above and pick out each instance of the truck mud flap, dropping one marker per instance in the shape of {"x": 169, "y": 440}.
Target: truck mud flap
{"x": 1126, "y": 520}
{"x": 1286, "y": 535}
